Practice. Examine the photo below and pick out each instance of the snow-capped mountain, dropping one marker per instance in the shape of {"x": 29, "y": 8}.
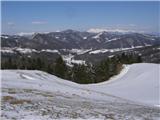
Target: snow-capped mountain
{"x": 91, "y": 44}
{"x": 69, "y": 39}
{"x": 122, "y": 31}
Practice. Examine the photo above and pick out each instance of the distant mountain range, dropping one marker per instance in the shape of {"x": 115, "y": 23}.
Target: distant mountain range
{"x": 71, "y": 42}
{"x": 70, "y": 39}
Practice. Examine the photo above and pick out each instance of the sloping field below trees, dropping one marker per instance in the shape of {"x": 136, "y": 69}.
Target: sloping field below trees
{"x": 36, "y": 95}
{"x": 137, "y": 82}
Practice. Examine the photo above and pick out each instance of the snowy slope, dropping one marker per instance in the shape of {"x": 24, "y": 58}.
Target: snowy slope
{"x": 140, "y": 83}
{"x": 36, "y": 95}
{"x": 37, "y": 80}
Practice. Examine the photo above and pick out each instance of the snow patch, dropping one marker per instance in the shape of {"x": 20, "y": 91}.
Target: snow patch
{"x": 51, "y": 51}
{"x": 113, "y": 39}
{"x": 97, "y": 36}
{"x": 78, "y": 51}
{"x": 6, "y": 50}
{"x": 113, "y": 50}
{"x": 5, "y": 37}
{"x": 84, "y": 38}
{"x": 25, "y": 50}
{"x": 99, "y": 51}
{"x": 69, "y": 59}
{"x": 57, "y": 37}
{"x": 97, "y": 30}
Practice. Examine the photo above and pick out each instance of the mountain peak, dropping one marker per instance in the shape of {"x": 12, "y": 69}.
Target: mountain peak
{"x": 69, "y": 31}
{"x": 98, "y": 30}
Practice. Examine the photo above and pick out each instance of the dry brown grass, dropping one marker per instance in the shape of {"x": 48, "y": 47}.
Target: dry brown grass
{"x": 20, "y": 101}
{"x": 7, "y": 98}
{"x": 13, "y": 100}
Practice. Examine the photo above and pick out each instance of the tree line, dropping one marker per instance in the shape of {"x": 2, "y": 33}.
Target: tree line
{"x": 79, "y": 73}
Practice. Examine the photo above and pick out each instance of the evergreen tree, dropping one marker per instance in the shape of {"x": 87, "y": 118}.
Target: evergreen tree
{"x": 102, "y": 71}
{"x": 81, "y": 74}
{"x": 10, "y": 64}
{"x": 49, "y": 69}
{"x": 139, "y": 59}
{"x": 29, "y": 64}
{"x": 22, "y": 63}
{"x": 60, "y": 68}
{"x": 39, "y": 64}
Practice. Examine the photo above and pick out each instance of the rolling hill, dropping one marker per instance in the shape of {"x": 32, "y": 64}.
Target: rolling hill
{"x": 32, "y": 94}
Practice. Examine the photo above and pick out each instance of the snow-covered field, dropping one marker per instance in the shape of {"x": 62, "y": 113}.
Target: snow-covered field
{"x": 113, "y": 50}
{"x": 137, "y": 82}
{"x": 36, "y": 95}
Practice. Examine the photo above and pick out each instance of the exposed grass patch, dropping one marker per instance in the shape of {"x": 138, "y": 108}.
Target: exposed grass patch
{"x": 13, "y": 100}
{"x": 20, "y": 101}
{"x": 7, "y": 98}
